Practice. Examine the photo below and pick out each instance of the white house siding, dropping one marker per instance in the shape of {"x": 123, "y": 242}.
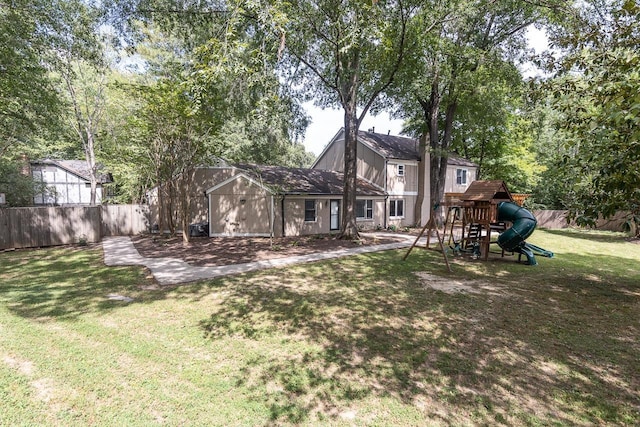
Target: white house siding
{"x": 63, "y": 187}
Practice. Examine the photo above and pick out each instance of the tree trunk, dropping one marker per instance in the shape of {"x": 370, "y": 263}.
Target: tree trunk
{"x": 90, "y": 157}
{"x": 423, "y": 151}
{"x": 349, "y": 226}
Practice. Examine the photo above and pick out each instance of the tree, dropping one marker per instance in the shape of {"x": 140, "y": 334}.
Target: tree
{"x": 17, "y": 183}
{"x": 350, "y": 52}
{"x": 28, "y": 97}
{"x": 228, "y": 58}
{"x": 478, "y": 38}
{"x": 597, "y": 92}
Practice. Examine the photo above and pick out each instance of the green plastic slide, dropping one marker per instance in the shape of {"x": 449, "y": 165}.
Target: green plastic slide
{"x": 523, "y": 224}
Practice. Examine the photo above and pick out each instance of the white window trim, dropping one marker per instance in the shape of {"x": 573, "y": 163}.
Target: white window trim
{"x": 401, "y": 167}
{"x": 365, "y": 218}
{"x": 403, "y": 209}
{"x": 464, "y": 174}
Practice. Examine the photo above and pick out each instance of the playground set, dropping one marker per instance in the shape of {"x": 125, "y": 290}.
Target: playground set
{"x": 486, "y": 208}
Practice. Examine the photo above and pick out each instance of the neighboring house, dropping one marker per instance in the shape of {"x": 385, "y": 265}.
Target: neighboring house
{"x": 66, "y": 182}
{"x": 251, "y": 200}
{"x": 391, "y": 163}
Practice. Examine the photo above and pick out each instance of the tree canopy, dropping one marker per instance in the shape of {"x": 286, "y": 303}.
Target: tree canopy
{"x": 597, "y": 96}
{"x": 231, "y": 76}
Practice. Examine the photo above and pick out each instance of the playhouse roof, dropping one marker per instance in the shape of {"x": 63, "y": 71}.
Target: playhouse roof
{"x": 486, "y": 191}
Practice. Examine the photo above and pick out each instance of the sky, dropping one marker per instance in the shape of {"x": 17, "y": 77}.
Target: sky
{"x": 325, "y": 123}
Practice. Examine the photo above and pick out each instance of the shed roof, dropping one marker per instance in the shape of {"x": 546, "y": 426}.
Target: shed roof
{"x": 307, "y": 181}
{"x": 486, "y": 191}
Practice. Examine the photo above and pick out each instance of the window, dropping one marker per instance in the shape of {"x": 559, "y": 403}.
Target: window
{"x": 364, "y": 209}
{"x": 400, "y": 170}
{"x": 310, "y": 210}
{"x": 461, "y": 176}
{"x": 396, "y": 208}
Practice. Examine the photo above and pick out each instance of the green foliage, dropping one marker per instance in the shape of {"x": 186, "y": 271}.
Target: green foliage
{"x": 28, "y": 99}
{"x": 19, "y": 188}
{"x": 598, "y": 97}
{"x": 460, "y": 85}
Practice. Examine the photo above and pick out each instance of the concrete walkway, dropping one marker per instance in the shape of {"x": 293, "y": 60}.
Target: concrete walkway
{"x": 120, "y": 251}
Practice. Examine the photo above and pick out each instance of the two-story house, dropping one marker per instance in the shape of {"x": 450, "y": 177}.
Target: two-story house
{"x": 250, "y": 200}
{"x": 392, "y": 163}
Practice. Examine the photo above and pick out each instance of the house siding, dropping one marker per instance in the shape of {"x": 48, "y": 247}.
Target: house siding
{"x": 398, "y": 185}
{"x": 370, "y": 165}
{"x": 295, "y": 225}
{"x": 203, "y": 179}
{"x": 409, "y": 217}
{"x": 240, "y": 208}
{"x": 63, "y": 187}
{"x": 379, "y": 211}
{"x": 450, "y": 182}
{"x": 333, "y": 158}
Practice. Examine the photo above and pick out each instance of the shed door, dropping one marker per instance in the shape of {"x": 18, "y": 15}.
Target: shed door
{"x": 334, "y": 209}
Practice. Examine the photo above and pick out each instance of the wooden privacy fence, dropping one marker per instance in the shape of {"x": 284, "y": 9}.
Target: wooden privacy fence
{"x": 51, "y": 226}
{"x": 556, "y": 219}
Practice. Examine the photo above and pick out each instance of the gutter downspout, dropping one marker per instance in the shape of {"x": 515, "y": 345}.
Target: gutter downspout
{"x": 282, "y": 212}
{"x": 386, "y": 192}
{"x": 272, "y": 216}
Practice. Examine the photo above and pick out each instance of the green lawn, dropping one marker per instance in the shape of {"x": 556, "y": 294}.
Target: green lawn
{"x": 356, "y": 341}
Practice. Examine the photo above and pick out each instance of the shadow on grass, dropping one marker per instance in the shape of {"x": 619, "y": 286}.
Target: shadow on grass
{"x": 546, "y": 354}
{"x": 557, "y": 345}
{"x": 64, "y": 283}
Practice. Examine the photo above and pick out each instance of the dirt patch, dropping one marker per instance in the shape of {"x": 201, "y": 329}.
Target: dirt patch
{"x": 216, "y": 251}
{"x": 452, "y": 286}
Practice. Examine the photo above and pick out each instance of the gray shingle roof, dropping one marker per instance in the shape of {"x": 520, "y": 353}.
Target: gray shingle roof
{"x": 391, "y": 146}
{"x": 402, "y": 148}
{"x": 77, "y": 167}
{"x": 306, "y": 181}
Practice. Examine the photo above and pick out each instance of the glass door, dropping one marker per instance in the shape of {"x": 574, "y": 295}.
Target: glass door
{"x": 334, "y": 223}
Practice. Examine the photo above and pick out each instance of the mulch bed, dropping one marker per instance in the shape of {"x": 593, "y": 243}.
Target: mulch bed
{"x": 216, "y": 251}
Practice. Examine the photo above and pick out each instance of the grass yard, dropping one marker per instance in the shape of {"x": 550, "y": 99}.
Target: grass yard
{"x": 358, "y": 341}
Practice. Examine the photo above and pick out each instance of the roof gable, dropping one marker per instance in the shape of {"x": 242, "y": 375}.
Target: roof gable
{"x": 486, "y": 191}
{"x": 236, "y": 177}
{"x": 391, "y": 147}
{"x": 76, "y": 167}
